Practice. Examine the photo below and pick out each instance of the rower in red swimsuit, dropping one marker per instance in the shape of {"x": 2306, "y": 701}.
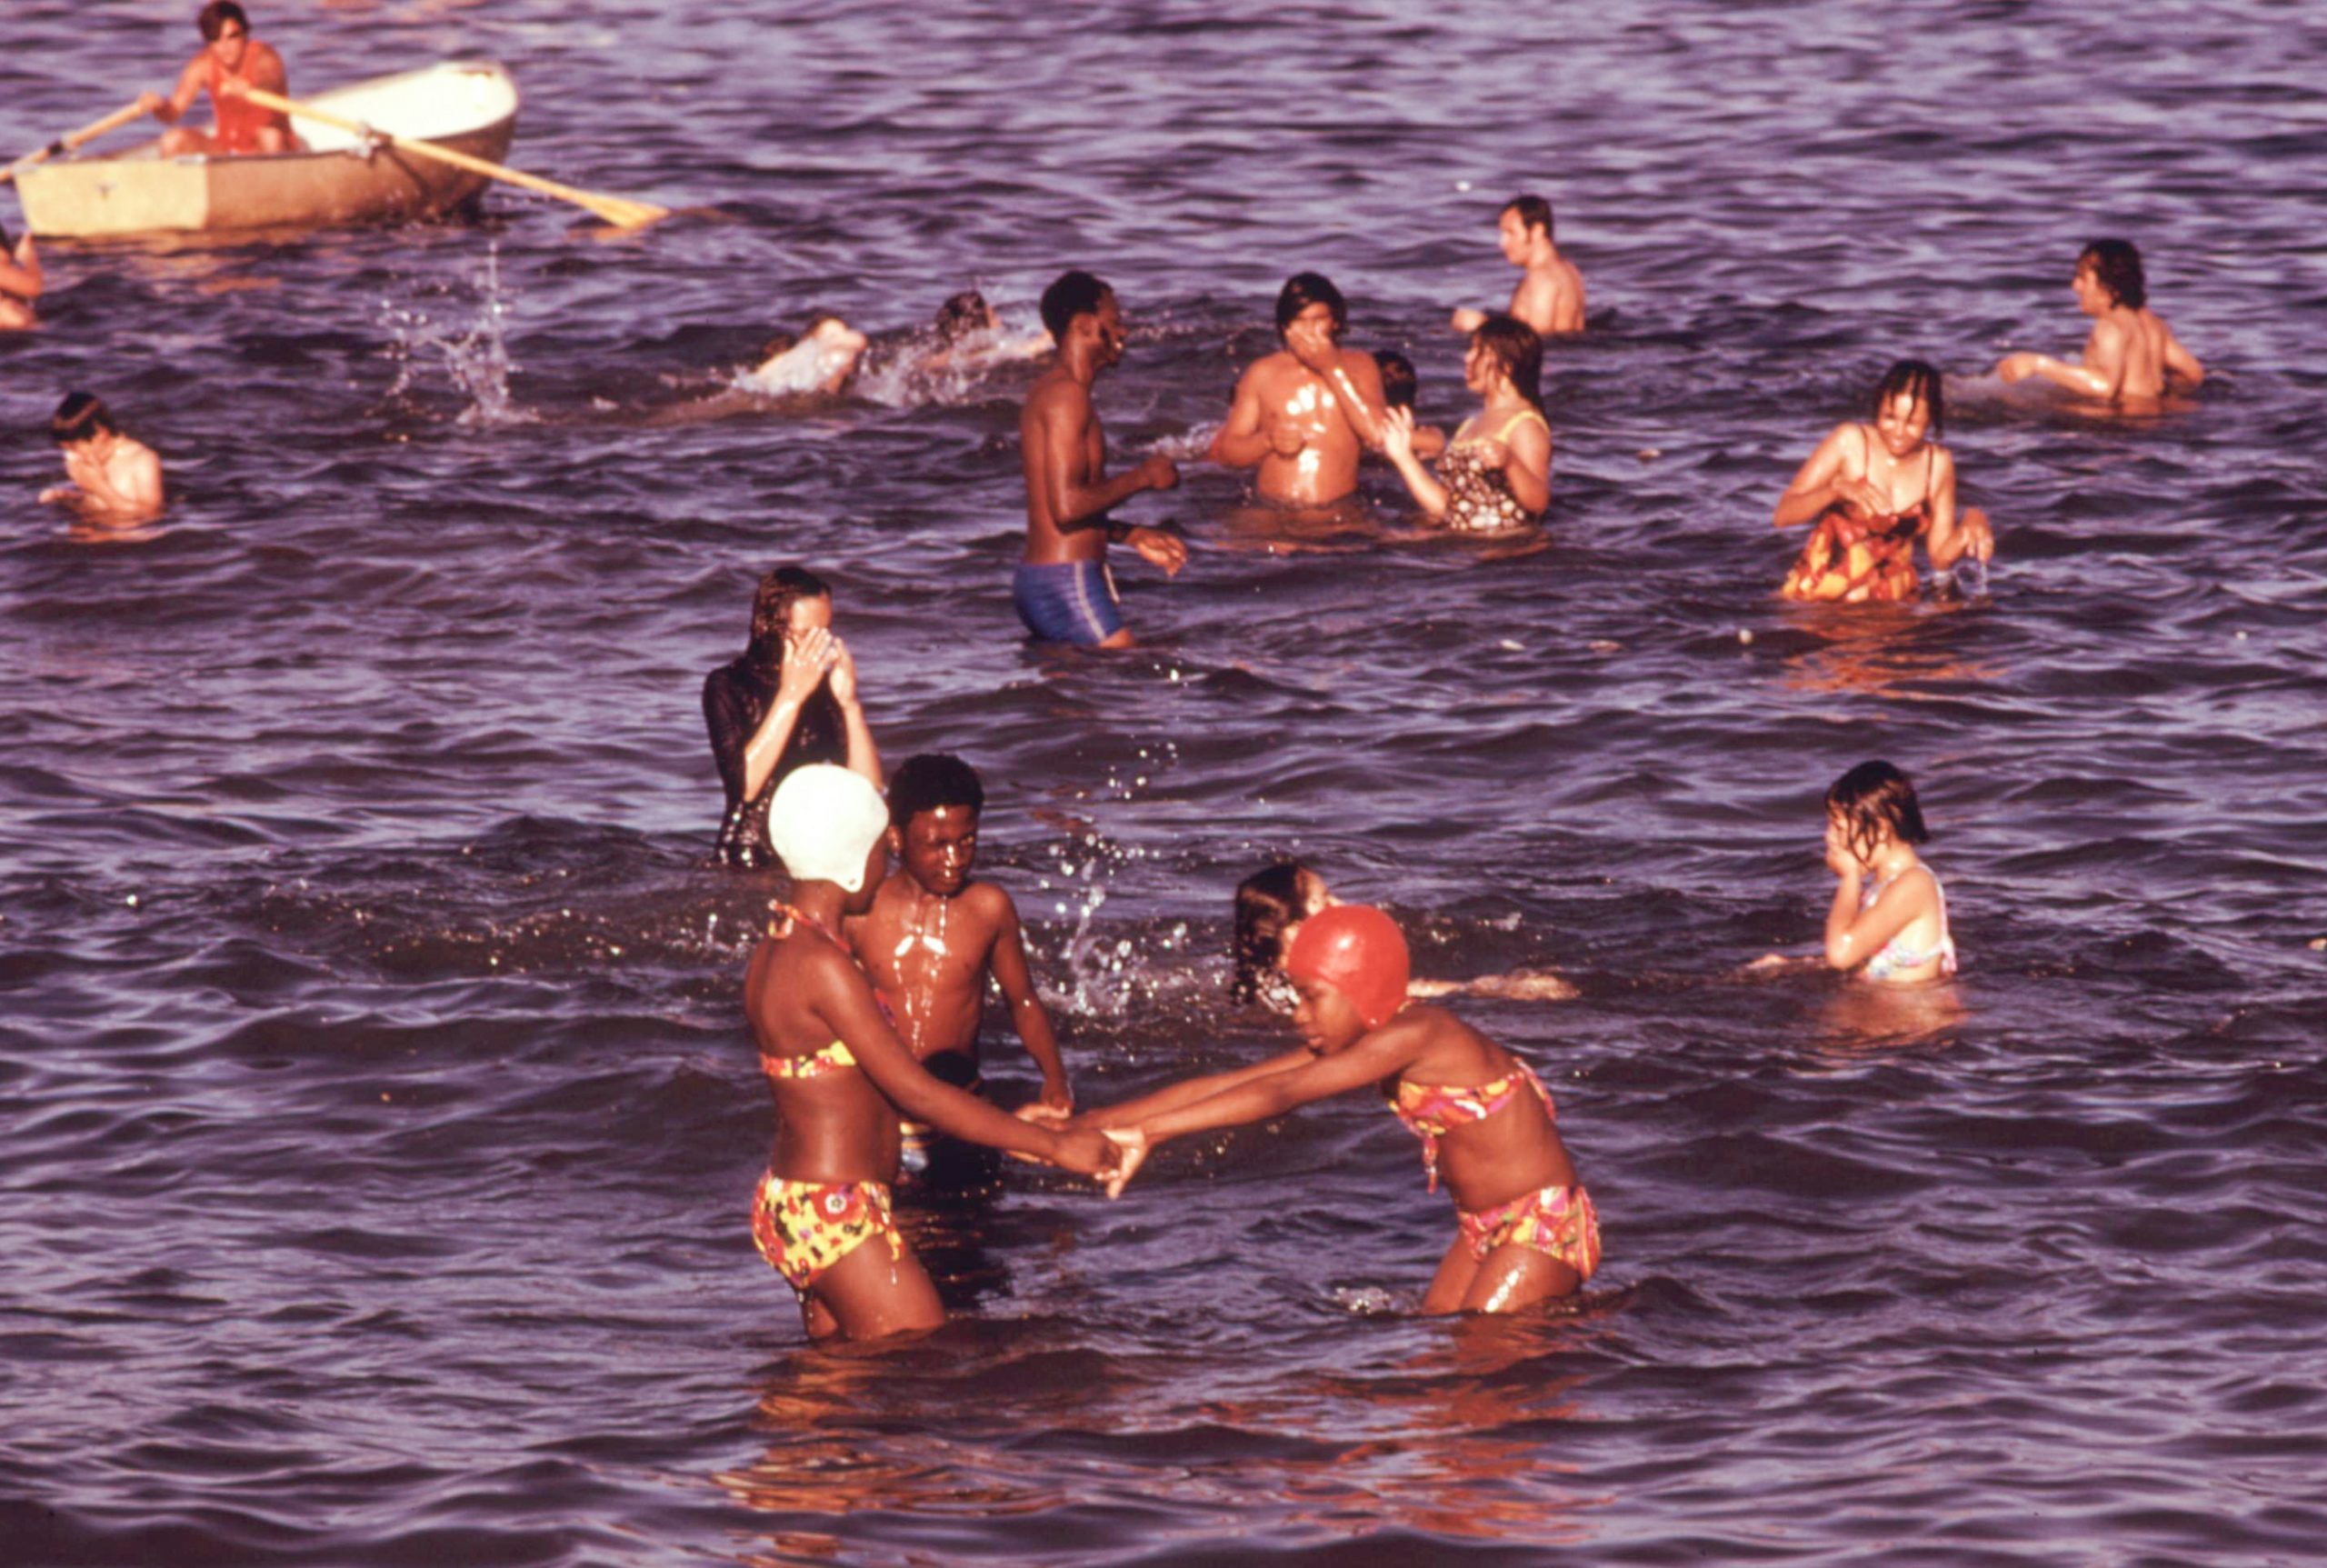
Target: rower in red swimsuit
{"x": 231, "y": 60}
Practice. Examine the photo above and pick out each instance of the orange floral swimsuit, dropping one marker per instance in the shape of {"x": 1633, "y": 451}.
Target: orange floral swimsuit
{"x": 1862, "y": 560}
{"x": 1558, "y": 1222}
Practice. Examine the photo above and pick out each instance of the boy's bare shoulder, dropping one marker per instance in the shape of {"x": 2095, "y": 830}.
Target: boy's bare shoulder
{"x": 988, "y": 903}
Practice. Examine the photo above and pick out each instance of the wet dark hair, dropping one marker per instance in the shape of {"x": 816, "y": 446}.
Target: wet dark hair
{"x": 82, "y": 417}
{"x": 929, "y": 781}
{"x": 771, "y": 608}
{"x": 1875, "y": 800}
{"x": 960, "y": 316}
{"x": 1304, "y": 289}
{"x": 1071, "y": 294}
{"x": 1517, "y": 349}
{"x": 1535, "y": 212}
{"x": 1919, "y": 379}
{"x": 1266, "y": 903}
{"x": 1398, "y": 380}
{"x": 217, "y": 14}
{"x": 2117, "y": 266}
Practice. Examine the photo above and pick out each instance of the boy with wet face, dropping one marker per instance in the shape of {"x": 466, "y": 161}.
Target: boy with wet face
{"x": 931, "y": 938}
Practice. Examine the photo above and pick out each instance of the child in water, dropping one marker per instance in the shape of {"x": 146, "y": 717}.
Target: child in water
{"x": 842, "y": 1080}
{"x": 1527, "y": 1231}
{"x": 114, "y": 478}
{"x": 1871, "y": 491}
{"x": 929, "y": 943}
{"x": 1273, "y": 902}
{"x": 1889, "y": 918}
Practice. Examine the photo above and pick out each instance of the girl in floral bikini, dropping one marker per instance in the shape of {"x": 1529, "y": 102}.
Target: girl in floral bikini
{"x": 841, "y": 1079}
{"x": 1871, "y": 491}
{"x": 1528, "y": 1231}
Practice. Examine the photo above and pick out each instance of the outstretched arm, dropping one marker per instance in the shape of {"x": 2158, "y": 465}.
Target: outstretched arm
{"x": 843, "y": 999}
{"x": 2100, "y": 374}
{"x": 1379, "y": 1055}
{"x": 1398, "y": 446}
{"x": 1188, "y": 1090}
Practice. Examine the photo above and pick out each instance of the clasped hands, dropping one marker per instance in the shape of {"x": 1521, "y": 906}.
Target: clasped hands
{"x": 1129, "y": 1145}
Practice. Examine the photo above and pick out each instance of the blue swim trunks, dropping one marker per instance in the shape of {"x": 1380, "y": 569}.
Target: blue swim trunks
{"x": 1068, "y": 602}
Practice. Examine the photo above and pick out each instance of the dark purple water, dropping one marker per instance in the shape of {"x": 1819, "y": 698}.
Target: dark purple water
{"x": 380, "y": 1118}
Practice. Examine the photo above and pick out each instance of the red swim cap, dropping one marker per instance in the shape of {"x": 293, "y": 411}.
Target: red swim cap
{"x": 1356, "y": 949}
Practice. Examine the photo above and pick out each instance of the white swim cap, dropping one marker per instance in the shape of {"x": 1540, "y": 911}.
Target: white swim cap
{"x": 823, "y": 822}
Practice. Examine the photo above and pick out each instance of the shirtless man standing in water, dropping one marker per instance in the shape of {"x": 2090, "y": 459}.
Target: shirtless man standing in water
{"x": 231, "y": 60}
{"x": 1550, "y": 295}
{"x": 1307, "y": 413}
{"x": 2132, "y": 356}
{"x": 1064, "y": 591}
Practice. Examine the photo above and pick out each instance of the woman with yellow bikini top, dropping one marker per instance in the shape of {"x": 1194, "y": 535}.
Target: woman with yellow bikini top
{"x": 1871, "y": 490}
{"x": 841, "y": 1079}
{"x": 1495, "y": 475}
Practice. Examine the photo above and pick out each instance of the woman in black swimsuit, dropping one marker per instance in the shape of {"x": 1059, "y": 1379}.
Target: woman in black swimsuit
{"x": 789, "y": 700}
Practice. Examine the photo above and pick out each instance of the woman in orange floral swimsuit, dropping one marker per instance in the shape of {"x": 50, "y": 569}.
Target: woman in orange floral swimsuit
{"x": 1871, "y": 490}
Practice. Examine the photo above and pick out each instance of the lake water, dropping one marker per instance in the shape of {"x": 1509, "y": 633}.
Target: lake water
{"x": 381, "y": 1121}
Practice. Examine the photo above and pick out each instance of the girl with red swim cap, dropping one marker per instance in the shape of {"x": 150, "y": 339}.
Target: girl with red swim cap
{"x": 1528, "y": 1231}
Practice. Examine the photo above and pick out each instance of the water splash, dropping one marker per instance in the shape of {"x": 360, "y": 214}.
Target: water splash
{"x": 474, "y": 359}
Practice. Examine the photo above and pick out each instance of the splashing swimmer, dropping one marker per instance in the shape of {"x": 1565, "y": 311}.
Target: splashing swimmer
{"x": 1495, "y": 475}
{"x": 788, "y": 700}
{"x": 2130, "y": 356}
{"x": 818, "y": 362}
{"x": 841, "y": 1080}
{"x": 230, "y": 61}
{"x": 1875, "y": 488}
{"x": 1307, "y": 413}
{"x": 1527, "y": 1231}
{"x": 113, "y": 479}
{"x": 1062, "y": 589}
{"x": 930, "y": 939}
{"x": 1550, "y": 294}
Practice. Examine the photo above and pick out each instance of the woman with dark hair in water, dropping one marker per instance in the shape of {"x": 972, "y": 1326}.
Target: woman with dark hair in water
{"x": 789, "y": 700}
{"x": 1495, "y": 475}
{"x": 1872, "y": 490}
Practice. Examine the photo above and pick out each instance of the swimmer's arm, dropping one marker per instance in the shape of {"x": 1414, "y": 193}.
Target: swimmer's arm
{"x": 1955, "y": 534}
{"x": 1818, "y": 483}
{"x": 20, "y": 274}
{"x": 1398, "y": 446}
{"x": 1377, "y": 1055}
{"x": 1008, "y": 962}
{"x": 1074, "y": 497}
{"x": 1189, "y": 1091}
{"x": 1527, "y": 464}
{"x": 2180, "y": 364}
{"x": 1241, "y": 443}
{"x": 1852, "y": 937}
{"x": 1467, "y": 320}
{"x": 2100, "y": 374}
{"x": 1364, "y": 405}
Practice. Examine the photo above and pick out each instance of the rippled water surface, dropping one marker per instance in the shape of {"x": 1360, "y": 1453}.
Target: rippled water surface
{"x": 380, "y": 1119}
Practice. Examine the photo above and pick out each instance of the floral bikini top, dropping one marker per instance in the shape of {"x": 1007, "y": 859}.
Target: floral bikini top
{"x": 1478, "y": 498}
{"x": 1431, "y": 1111}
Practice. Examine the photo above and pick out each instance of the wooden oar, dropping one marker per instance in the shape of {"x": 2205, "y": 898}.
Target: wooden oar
{"x": 65, "y": 143}
{"x": 619, "y": 211}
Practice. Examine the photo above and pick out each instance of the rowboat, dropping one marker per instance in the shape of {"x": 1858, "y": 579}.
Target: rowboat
{"x": 341, "y": 178}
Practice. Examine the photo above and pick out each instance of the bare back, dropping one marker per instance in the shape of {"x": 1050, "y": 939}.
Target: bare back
{"x": 1550, "y": 298}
